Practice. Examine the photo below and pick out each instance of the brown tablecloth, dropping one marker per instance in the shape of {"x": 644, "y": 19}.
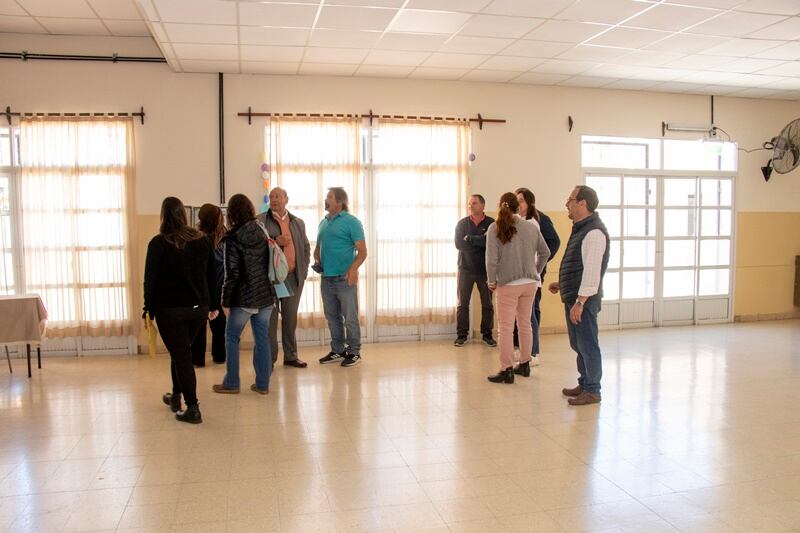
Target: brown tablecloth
{"x": 23, "y": 319}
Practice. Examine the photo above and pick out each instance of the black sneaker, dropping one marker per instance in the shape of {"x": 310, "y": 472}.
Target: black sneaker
{"x": 332, "y": 357}
{"x": 460, "y": 341}
{"x": 351, "y": 360}
{"x": 489, "y": 341}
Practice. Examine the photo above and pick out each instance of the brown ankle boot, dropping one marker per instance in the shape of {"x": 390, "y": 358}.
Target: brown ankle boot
{"x": 572, "y": 392}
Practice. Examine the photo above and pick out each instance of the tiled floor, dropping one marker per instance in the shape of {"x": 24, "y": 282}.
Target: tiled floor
{"x": 699, "y": 430}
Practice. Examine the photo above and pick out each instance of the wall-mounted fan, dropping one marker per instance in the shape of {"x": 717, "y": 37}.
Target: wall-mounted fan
{"x": 785, "y": 150}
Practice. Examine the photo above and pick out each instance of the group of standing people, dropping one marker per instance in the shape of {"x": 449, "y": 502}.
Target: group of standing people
{"x": 508, "y": 256}
{"x": 223, "y": 277}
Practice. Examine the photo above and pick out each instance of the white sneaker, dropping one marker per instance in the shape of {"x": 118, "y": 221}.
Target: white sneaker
{"x": 535, "y": 360}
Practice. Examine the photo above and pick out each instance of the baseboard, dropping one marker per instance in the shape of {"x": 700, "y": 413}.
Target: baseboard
{"x": 762, "y": 317}
{"x": 548, "y": 330}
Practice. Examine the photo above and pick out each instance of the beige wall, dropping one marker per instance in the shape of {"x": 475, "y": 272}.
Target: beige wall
{"x": 177, "y": 146}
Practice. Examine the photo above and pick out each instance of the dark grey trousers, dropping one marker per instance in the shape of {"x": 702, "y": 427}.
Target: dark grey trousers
{"x": 466, "y": 280}
{"x": 287, "y": 307}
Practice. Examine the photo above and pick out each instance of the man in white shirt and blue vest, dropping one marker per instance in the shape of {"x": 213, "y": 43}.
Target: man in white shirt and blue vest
{"x": 580, "y": 281}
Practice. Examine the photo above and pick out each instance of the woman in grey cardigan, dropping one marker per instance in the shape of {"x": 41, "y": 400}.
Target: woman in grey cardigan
{"x": 516, "y": 254}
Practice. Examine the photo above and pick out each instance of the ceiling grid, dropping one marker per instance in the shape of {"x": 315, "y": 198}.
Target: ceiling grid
{"x": 737, "y": 47}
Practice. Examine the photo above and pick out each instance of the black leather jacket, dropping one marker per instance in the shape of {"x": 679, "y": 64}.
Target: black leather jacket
{"x": 247, "y": 268}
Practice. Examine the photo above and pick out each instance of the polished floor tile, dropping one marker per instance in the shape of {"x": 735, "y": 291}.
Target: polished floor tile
{"x": 697, "y": 432}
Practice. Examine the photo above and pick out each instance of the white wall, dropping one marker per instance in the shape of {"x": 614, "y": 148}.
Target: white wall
{"x": 177, "y": 146}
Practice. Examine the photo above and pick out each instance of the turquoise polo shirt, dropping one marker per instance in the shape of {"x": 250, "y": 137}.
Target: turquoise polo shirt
{"x": 337, "y": 238}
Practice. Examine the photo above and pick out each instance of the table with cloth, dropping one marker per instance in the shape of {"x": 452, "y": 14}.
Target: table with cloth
{"x": 23, "y": 319}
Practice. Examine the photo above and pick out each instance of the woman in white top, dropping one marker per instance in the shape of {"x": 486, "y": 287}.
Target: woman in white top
{"x": 515, "y": 257}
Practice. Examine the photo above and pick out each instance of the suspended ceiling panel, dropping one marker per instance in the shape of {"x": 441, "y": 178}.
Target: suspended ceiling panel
{"x": 728, "y": 47}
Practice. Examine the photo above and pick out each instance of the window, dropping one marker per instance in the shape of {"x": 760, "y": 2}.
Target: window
{"x": 418, "y": 178}
{"x": 699, "y": 155}
{"x": 8, "y": 235}
{"x": 65, "y": 221}
{"x": 614, "y": 152}
{"x": 307, "y": 157}
{"x": 670, "y": 226}
{"x": 407, "y": 183}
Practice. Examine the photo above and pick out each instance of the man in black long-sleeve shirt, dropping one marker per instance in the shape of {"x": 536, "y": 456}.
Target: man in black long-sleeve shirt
{"x": 470, "y": 240}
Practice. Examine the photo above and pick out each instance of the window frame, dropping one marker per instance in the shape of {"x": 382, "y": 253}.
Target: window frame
{"x": 11, "y": 172}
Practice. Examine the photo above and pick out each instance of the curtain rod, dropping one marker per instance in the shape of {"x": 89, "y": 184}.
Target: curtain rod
{"x": 8, "y": 114}
{"x": 113, "y": 58}
{"x": 479, "y": 119}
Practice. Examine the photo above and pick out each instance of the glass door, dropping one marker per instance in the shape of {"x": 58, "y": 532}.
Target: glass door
{"x": 680, "y": 244}
{"x": 671, "y": 250}
{"x": 628, "y": 207}
{"x": 715, "y": 255}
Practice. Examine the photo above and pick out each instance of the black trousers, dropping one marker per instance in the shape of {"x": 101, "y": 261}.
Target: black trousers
{"x": 466, "y": 280}
{"x": 217, "y": 341}
{"x": 178, "y": 327}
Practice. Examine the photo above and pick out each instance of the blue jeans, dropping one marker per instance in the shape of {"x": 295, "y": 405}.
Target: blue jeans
{"x": 536, "y": 317}
{"x": 262, "y": 359}
{"x": 340, "y": 303}
{"x": 584, "y": 340}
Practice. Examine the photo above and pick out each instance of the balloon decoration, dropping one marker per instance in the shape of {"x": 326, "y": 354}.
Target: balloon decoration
{"x": 266, "y": 185}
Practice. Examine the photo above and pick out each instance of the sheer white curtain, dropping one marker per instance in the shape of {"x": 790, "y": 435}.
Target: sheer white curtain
{"x": 420, "y": 172}
{"x": 76, "y": 197}
{"x": 309, "y": 155}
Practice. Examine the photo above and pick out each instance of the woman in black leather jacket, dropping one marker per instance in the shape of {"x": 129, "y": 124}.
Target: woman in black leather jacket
{"x": 248, "y": 294}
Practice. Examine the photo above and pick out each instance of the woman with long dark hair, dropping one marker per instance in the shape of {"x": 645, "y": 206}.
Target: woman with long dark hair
{"x": 515, "y": 257}
{"x": 179, "y": 280}
{"x": 528, "y": 211}
{"x": 212, "y": 225}
{"x": 248, "y": 293}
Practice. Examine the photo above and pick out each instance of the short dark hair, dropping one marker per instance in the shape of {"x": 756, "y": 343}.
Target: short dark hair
{"x": 589, "y": 195}
{"x": 240, "y": 210}
{"x": 480, "y": 198}
{"x": 341, "y": 196}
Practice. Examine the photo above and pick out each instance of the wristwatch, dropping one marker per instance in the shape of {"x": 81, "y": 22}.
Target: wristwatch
{"x": 578, "y": 302}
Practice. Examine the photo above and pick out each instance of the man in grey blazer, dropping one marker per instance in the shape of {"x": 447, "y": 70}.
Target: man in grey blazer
{"x": 289, "y": 232}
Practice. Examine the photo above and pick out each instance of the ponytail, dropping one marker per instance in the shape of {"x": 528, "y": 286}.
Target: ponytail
{"x": 506, "y": 228}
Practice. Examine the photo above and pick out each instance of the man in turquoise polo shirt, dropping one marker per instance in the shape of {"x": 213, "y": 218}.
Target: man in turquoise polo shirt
{"x": 339, "y": 252}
